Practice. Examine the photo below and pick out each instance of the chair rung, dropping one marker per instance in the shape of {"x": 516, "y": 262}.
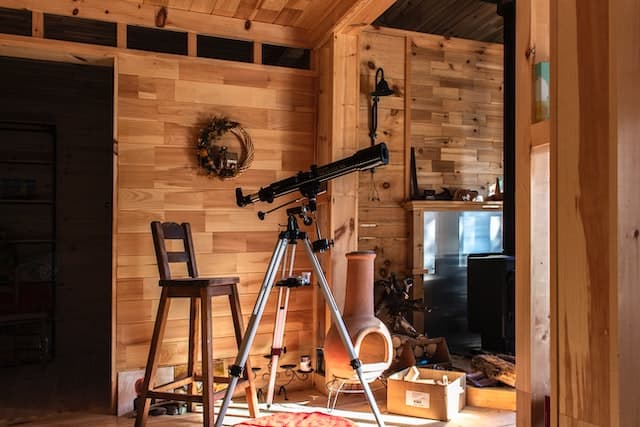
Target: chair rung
{"x": 183, "y": 397}
{"x": 175, "y": 384}
{"x": 224, "y": 380}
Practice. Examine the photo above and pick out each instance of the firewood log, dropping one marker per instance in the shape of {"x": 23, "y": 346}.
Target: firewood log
{"x": 495, "y": 368}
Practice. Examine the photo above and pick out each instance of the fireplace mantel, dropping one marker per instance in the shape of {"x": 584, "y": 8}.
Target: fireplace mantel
{"x": 449, "y": 205}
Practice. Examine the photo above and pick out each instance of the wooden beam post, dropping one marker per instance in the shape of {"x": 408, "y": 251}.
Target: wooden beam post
{"x": 257, "y": 53}
{"x": 121, "y": 35}
{"x": 596, "y": 214}
{"x": 37, "y": 24}
{"x": 347, "y": 17}
{"x": 337, "y": 62}
{"x": 192, "y": 44}
{"x": 532, "y": 193}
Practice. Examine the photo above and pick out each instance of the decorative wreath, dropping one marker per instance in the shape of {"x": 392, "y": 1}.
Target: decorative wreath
{"x": 216, "y": 158}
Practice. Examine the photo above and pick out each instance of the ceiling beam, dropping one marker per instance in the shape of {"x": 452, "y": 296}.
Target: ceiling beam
{"x": 347, "y": 17}
{"x": 144, "y": 14}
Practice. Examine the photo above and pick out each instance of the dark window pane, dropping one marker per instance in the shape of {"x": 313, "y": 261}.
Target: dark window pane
{"x": 283, "y": 56}
{"x": 229, "y": 49}
{"x": 13, "y": 21}
{"x": 156, "y": 40}
{"x": 80, "y": 30}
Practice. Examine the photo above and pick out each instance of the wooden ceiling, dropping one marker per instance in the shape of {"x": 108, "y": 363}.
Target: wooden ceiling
{"x": 291, "y": 13}
{"x": 467, "y": 19}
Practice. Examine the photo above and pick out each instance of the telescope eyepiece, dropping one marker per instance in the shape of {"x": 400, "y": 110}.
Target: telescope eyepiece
{"x": 240, "y": 200}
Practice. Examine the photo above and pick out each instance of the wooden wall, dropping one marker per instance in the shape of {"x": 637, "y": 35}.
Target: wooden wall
{"x": 382, "y": 223}
{"x": 162, "y": 102}
{"x": 448, "y": 105}
{"x": 456, "y": 113}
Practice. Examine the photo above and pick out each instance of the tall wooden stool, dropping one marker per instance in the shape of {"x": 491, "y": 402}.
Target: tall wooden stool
{"x": 194, "y": 288}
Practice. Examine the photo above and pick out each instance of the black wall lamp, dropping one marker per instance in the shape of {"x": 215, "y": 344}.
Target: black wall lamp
{"x": 381, "y": 89}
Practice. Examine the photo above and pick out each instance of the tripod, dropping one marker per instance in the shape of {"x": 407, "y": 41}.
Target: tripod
{"x": 291, "y": 236}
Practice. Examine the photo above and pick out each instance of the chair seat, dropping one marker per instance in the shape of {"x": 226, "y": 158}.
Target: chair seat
{"x": 200, "y": 282}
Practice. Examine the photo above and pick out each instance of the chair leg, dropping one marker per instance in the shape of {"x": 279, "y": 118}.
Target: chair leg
{"x": 194, "y": 311}
{"x": 207, "y": 361}
{"x": 250, "y": 391}
{"x": 152, "y": 362}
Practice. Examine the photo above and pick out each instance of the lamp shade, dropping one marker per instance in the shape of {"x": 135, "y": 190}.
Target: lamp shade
{"x": 382, "y": 87}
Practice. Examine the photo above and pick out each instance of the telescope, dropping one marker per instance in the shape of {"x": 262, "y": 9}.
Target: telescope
{"x": 308, "y": 183}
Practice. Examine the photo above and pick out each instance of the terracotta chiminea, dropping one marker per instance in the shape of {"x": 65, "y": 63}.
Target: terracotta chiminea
{"x": 370, "y": 337}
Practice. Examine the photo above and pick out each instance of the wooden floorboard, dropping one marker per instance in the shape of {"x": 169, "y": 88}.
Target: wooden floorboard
{"x": 352, "y": 406}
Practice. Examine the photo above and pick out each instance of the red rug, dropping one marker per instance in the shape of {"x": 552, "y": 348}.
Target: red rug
{"x": 299, "y": 419}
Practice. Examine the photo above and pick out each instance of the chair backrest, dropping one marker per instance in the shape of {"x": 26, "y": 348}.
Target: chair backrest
{"x": 162, "y": 231}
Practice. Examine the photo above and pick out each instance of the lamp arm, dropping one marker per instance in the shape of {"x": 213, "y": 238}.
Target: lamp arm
{"x": 373, "y": 122}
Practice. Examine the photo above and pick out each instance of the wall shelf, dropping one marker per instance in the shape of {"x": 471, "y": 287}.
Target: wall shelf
{"x": 540, "y": 133}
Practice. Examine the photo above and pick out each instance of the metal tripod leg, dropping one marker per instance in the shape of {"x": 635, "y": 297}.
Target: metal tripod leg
{"x": 278, "y": 327}
{"x": 249, "y": 335}
{"x": 344, "y": 334}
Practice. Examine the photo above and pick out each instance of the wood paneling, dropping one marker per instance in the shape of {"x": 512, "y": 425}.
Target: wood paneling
{"x": 456, "y": 113}
{"x": 382, "y": 223}
{"x": 162, "y": 104}
{"x": 457, "y": 78}
{"x": 159, "y": 111}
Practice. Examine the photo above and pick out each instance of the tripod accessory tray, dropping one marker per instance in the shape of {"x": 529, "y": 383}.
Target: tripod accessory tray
{"x": 292, "y": 282}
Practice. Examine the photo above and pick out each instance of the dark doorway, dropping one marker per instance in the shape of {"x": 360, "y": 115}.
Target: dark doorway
{"x": 56, "y": 186}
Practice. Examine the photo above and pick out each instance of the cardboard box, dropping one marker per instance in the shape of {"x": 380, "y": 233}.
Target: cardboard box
{"x": 425, "y": 393}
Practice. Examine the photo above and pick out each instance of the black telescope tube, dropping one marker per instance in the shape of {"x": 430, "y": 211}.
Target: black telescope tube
{"x": 367, "y": 158}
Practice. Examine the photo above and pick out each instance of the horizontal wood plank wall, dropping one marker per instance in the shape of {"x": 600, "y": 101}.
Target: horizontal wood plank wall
{"x": 455, "y": 109}
{"x": 383, "y": 224}
{"x": 162, "y": 103}
{"x": 456, "y": 112}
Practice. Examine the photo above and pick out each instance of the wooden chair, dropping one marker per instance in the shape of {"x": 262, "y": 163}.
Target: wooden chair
{"x": 195, "y": 288}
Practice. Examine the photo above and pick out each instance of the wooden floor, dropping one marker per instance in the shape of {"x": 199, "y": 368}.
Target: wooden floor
{"x": 354, "y": 407}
